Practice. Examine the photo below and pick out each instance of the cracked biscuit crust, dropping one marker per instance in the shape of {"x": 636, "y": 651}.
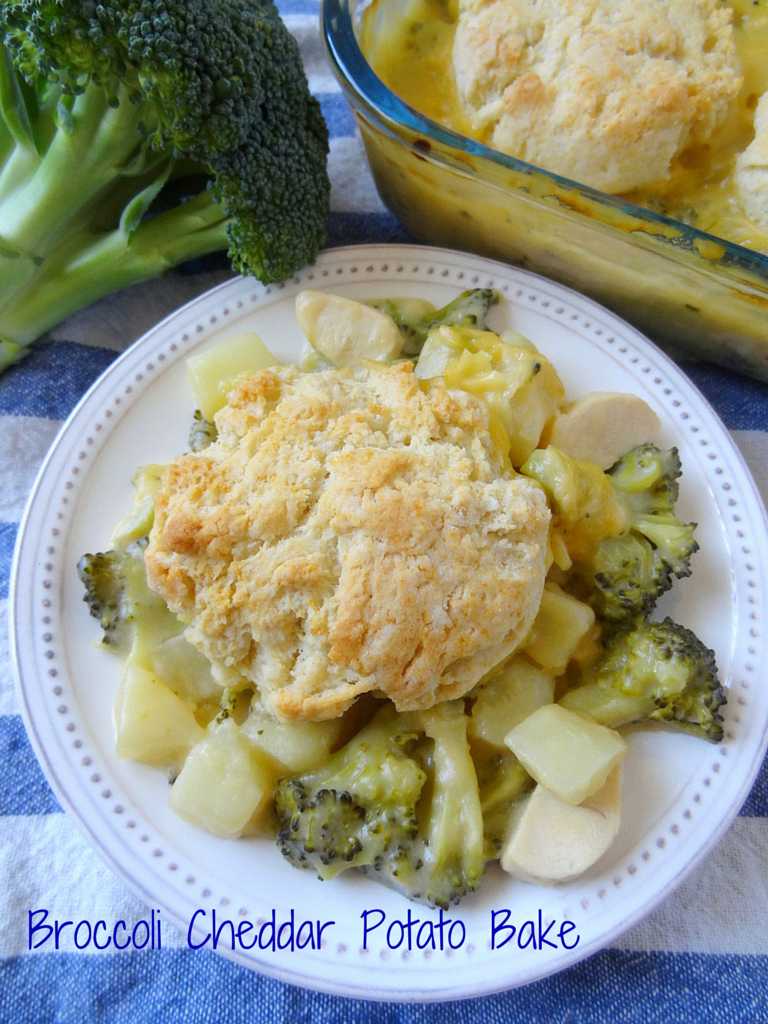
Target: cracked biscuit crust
{"x": 349, "y": 532}
{"x": 606, "y": 92}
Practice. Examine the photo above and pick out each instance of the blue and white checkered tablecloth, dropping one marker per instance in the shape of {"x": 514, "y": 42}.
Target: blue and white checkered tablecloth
{"x": 699, "y": 958}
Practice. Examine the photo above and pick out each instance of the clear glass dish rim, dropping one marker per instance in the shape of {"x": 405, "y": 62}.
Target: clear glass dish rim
{"x": 365, "y": 90}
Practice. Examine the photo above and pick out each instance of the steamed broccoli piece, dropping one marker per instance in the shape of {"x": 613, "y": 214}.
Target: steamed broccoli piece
{"x": 628, "y": 574}
{"x": 400, "y": 801}
{"x": 469, "y": 309}
{"x": 103, "y": 576}
{"x": 139, "y": 134}
{"x": 202, "y": 433}
{"x": 118, "y": 596}
{"x": 585, "y": 506}
{"x": 358, "y": 808}
{"x": 502, "y": 782}
{"x": 147, "y": 480}
{"x": 447, "y": 860}
{"x": 621, "y": 529}
{"x": 653, "y": 671}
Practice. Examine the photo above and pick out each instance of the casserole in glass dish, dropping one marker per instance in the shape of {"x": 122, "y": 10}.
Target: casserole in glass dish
{"x": 684, "y": 287}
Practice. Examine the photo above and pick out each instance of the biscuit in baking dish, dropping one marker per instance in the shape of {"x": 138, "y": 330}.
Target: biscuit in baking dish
{"x": 751, "y": 173}
{"x": 607, "y": 92}
{"x": 350, "y": 532}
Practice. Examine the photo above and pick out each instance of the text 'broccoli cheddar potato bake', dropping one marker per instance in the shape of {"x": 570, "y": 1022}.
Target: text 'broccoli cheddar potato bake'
{"x": 396, "y": 605}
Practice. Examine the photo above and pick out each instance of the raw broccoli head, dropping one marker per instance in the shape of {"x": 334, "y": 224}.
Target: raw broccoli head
{"x": 197, "y": 113}
{"x": 627, "y": 574}
{"x": 399, "y": 801}
{"x": 653, "y": 671}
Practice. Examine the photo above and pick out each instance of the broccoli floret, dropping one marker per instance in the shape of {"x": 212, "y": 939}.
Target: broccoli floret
{"x": 147, "y": 480}
{"x": 469, "y": 309}
{"x": 139, "y": 134}
{"x": 202, "y": 432}
{"x": 358, "y": 808}
{"x": 129, "y": 613}
{"x": 620, "y": 528}
{"x": 103, "y": 576}
{"x": 400, "y": 801}
{"x": 628, "y": 574}
{"x": 653, "y": 671}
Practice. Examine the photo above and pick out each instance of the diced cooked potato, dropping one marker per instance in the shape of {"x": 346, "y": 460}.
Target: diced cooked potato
{"x": 561, "y": 624}
{"x": 570, "y": 754}
{"x": 552, "y": 841}
{"x": 215, "y": 373}
{"x": 223, "y": 787}
{"x": 298, "y": 746}
{"x": 184, "y": 669}
{"x": 346, "y": 331}
{"x": 151, "y": 723}
{"x": 602, "y": 426}
{"x": 504, "y": 701}
{"x": 518, "y": 384}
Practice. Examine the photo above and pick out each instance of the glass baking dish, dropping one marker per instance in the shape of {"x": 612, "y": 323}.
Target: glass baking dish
{"x": 686, "y": 289}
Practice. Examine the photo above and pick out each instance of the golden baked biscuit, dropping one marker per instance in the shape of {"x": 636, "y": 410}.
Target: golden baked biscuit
{"x": 607, "y": 92}
{"x": 752, "y": 169}
{"x": 349, "y": 532}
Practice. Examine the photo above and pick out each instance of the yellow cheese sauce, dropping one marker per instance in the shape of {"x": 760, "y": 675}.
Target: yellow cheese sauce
{"x": 410, "y": 46}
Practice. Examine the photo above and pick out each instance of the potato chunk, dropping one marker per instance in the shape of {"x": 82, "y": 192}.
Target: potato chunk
{"x": 298, "y": 746}
{"x": 222, "y": 787}
{"x": 504, "y": 701}
{"x": 346, "y": 331}
{"x": 152, "y": 724}
{"x": 567, "y": 752}
{"x": 558, "y": 629}
{"x": 216, "y": 372}
{"x": 518, "y": 385}
{"x": 602, "y": 426}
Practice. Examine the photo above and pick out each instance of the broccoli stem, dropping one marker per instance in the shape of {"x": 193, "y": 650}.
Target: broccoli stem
{"x": 70, "y": 178}
{"x": 15, "y": 126}
{"x": 52, "y": 256}
{"x": 91, "y": 266}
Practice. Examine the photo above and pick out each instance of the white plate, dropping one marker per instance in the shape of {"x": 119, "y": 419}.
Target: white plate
{"x": 680, "y": 793}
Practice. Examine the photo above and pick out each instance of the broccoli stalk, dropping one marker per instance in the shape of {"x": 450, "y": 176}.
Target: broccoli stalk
{"x": 139, "y": 134}
{"x": 502, "y": 782}
{"x": 447, "y": 860}
{"x": 653, "y": 671}
{"x": 469, "y": 309}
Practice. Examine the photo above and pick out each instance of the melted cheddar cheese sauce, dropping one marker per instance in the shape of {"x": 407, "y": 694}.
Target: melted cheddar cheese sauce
{"x": 410, "y": 50}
